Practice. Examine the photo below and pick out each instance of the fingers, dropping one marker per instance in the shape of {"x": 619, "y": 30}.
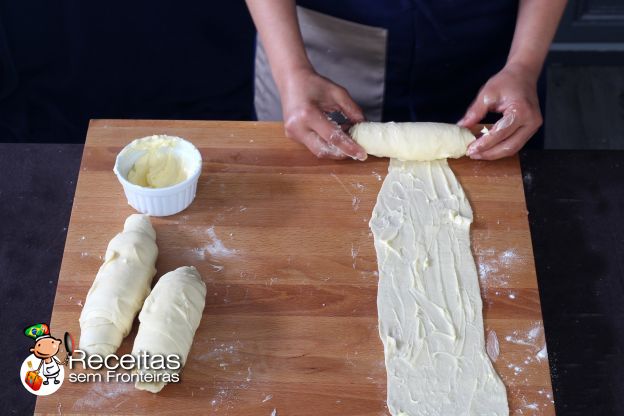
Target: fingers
{"x": 319, "y": 147}
{"x": 519, "y": 122}
{"x": 312, "y": 119}
{"x": 348, "y": 106}
{"x": 333, "y": 135}
{"x": 514, "y": 95}
{"x": 307, "y": 116}
{"x": 507, "y": 147}
{"x": 504, "y": 128}
{"x": 478, "y": 109}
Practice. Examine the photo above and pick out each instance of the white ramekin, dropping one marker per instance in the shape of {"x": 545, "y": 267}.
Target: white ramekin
{"x": 160, "y": 202}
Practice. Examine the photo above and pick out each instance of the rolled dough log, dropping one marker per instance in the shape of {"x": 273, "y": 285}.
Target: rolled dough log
{"x": 120, "y": 287}
{"x": 412, "y": 141}
{"x": 169, "y": 319}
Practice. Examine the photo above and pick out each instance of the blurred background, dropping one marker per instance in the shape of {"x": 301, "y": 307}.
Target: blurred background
{"x": 64, "y": 62}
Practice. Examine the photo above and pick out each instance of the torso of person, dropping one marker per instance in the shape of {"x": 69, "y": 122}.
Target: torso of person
{"x": 401, "y": 60}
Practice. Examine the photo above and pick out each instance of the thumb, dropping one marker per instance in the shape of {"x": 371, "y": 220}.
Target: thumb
{"x": 478, "y": 109}
{"x": 348, "y": 106}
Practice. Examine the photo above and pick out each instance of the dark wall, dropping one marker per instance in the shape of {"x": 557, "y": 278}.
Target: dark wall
{"x": 585, "y": 105}
{"x": 63, "y": 62}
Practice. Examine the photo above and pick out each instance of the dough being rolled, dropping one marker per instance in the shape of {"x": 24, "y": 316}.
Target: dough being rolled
{"x": 169, "y": 319}
{"x": 120, "y": 287}
{"x": 412, "y": 141}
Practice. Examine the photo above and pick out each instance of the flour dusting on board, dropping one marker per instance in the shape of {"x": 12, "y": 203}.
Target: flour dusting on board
{"x": 530, "y": 350}
{"x": 494, "y": 269}
{"x": 216, "y": 248}
{"x": 542, "y": 354}
{"x": 528, "y": 338}
{"x": 104, "y": 395}
{"x": 354, "y": 254}
{"x": 226, "y": 357}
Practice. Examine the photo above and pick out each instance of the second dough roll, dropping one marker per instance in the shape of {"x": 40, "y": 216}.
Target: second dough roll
{"x": 169, "y": 319}
{"x": 120, "y": 287}
{"x": 412, "y": 141}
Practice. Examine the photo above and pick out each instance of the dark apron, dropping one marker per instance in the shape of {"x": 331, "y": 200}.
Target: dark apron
{"x": 437, "y": 54}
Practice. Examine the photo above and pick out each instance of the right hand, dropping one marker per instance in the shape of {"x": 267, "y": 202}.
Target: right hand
{"x": 307, "y": 97}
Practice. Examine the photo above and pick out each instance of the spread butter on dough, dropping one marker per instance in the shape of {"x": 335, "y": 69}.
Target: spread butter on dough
{"x": 120, "y": 287}
{"x": 412, "y": 141}
{"x": 169, "y": 319}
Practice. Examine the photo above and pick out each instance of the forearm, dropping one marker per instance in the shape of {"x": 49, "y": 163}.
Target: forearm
{"x": 277, "y": 25}
{"x": 535, "y": 28}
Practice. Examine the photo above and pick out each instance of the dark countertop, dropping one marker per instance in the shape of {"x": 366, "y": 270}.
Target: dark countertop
{"x": 576, "y": 206}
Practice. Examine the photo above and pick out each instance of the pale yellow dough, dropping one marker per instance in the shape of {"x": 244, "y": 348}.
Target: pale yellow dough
{"x": 120, "y": 287}
{"x": 169, "y": 318}
{"x": 412, "y": 141}
{"x": 429, "y": 303}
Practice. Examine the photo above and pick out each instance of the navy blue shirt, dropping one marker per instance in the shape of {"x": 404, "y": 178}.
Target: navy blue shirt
{"x": 439, "y": 52}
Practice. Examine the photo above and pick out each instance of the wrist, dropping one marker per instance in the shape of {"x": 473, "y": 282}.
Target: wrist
{"x": 288, "y": 77}
{"x": 529, "y": 70}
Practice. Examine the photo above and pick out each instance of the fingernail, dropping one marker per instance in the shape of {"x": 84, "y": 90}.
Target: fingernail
{"x": 362, "y": 156}
{"x": 475, "y": 156}
{"x": 472, "y": 150}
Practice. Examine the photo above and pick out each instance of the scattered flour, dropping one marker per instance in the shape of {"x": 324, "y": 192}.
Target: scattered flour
{"x": 529, "y": 338}
{"x": 229, "y": 360}
{"x": 354, "y": 254}
{"x": 358, "y": 186}
{"x": 542, "y": 354}
{"x": 103, "y": 395}
{"x": 493, "y": 269}
{"x": 355, "y": 201}
{"x": 216, "y": 248}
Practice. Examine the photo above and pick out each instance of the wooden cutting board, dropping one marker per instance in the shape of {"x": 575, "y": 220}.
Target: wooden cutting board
{"x": 282, "y": 241}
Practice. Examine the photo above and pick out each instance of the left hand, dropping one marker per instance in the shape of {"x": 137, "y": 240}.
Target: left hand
{"x": 512, "y": 92}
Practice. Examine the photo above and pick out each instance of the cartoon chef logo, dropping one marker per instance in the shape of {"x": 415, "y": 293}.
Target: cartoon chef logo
{"x": 42, "y": 373}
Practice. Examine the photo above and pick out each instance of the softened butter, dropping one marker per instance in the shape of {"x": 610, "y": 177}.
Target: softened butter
{"x": 159, "y": 166}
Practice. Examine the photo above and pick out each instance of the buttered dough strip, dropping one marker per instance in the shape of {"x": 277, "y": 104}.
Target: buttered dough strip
{"x": 412, "y": 141}
{"x": 169, "y": 319}
{"x": 120, "y": 287}
{"x": 429, "y": 303}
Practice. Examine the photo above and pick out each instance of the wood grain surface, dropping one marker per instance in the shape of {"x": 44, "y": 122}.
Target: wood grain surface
{"x": 282, "y": 242}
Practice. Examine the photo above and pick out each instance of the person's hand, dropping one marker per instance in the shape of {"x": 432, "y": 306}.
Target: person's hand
{"x": 306, "y": 99}
{"x": 512, "y": 92}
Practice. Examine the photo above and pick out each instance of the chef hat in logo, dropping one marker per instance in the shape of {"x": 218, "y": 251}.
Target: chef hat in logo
{"x": 37, "y": 331}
